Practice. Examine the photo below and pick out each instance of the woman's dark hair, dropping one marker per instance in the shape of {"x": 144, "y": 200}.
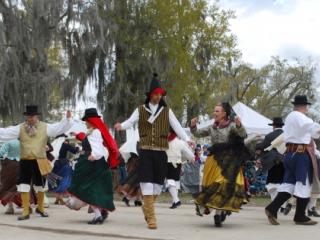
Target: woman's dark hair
{"x": 227, "y": 108}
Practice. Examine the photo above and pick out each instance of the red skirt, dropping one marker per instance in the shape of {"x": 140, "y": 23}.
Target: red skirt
{"x": 9, "y": 180}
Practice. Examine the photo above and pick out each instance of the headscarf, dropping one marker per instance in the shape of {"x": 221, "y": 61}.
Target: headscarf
{"x": 222, "y": 124}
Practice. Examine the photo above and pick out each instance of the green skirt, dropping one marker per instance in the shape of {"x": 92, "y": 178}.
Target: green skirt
{"x": 92, "y": 183}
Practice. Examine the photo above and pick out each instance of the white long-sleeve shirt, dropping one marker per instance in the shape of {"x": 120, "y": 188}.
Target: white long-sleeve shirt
{"x": 300, "y": 129}
{"x": 178, "y": 151}
{"x": 54, "y": 129}
{"x": 98, "y": 150}
{"x": 174, "y": 123}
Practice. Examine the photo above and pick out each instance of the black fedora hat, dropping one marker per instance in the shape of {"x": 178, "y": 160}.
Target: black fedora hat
{"x": 301, "y": 100}
{"x": 90, "y": 112}
{"x": 31, "y": 110}
{"x": 277, "y": 121}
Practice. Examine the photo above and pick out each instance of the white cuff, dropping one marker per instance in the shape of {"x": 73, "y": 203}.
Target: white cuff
{"x": 23, "y": 188}
{"x": 39, "y": 189}
{"x": 148, "y": 189}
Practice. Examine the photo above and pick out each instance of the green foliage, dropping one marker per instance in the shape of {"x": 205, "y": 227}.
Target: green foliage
{"x": 186, "y": 42}
{"x": 271, "y": 88}
{"x": 51, "y": 49}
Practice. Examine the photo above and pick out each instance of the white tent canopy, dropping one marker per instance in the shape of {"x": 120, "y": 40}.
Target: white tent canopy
{"x": 254, "y": 122}
{"x": 130, "y": 146}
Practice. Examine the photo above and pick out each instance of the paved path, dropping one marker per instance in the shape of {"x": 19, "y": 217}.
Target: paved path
{"x": 127, "y": 223}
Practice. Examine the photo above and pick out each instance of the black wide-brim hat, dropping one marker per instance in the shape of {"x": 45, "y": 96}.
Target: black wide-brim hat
{"x": 31, "y": 110}
{"x": 90, "y": 112}
{"x": 277, "y": 121}
{"x": 301, "y": 100}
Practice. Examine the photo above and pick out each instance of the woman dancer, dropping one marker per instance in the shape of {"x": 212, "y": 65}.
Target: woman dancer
{"x": 223, "y": 181}
{"x": 60, "y": 178}
{"x": 92, "y": 181}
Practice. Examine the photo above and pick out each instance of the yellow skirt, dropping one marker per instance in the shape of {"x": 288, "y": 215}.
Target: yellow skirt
{"x": 217, "y": 192}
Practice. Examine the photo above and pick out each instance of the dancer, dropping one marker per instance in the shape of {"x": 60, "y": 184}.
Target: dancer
{"x": 273, "y": 159}
{"x": 154, "y": 119}
{"x": 92, "y": 181}
{"x": 223, "y": 180}
{"x": 33, "y": 136}
{"x": 130, "y": 188}
{"x": 312, "y": 207}
{"x": 60, "y": 178}
{"x": 298, "y": 162}
{"x": 10, "y": 155}
{"x": 178, "y": 152}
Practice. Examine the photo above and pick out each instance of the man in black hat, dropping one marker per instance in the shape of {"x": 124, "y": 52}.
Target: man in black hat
{"x": 154, "y": 120}
{"x": 33, "y": 135}
{"x": 299, "y": 130}
{"x": 273, "y": 159}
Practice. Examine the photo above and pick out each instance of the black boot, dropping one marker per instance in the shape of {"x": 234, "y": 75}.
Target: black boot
{"x": 42, "y": 214}
{"x": 96, "y": 221}
{"x": 224, "y": 215}
{"x": 104, "y": 214}
{"x": 217, "y": 220}
{"x": 300, "y": 217}
{"x": 273, "y": 208}
{"x": 313, "y": 212}
{"x": 137, "y": 203}
{"x": 126, "y": 201}
{"x": 287, "y": 209}
{"x": 175, "y": 205}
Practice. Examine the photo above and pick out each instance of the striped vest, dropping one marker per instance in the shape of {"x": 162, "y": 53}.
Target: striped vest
{"x": 154, "y": 136}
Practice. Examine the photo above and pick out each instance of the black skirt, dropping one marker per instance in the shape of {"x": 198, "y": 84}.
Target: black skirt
{"x": 174, "y": 172}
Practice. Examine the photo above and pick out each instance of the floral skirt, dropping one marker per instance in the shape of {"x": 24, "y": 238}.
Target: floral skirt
{"x": 217, "y": 192}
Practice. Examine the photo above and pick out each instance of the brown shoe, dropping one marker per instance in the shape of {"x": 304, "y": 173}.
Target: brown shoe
{"x": 272, "y": 219}
{"x": 10, "y": 211}
{"x": 307, "y": 223}
{"x": 22, "y": 218}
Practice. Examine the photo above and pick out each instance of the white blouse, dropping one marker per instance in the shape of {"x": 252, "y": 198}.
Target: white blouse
{"x": 98, "y": 150}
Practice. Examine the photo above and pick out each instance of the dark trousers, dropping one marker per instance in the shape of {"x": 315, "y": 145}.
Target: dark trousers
{"x": 30, "y": 173}
{"x": 153, "y": 166}
{"x": 174, "y": 172}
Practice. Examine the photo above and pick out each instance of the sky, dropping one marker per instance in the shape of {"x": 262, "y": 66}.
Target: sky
{"x": 265, "y": 28}
{"x": 285, "y": 28}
